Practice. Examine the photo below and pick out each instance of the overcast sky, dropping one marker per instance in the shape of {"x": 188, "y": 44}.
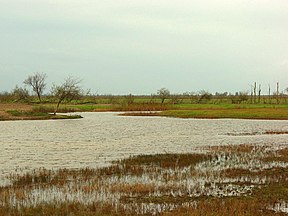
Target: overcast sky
{"x": 139, "y": 46}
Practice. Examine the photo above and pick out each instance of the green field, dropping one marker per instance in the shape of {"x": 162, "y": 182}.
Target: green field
{"x": 182, "y": 107}
{"x": 239, "y": 113}
{"x": 245, "y": 111}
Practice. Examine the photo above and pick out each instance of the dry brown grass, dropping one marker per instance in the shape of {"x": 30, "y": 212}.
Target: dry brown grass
{"x": 140, "y": 107}
{"x": 15, "y": 106}
{"x": 242, "y": 148}
{"x": 225, "y": 207}
{"x": 280, "y": 155}
{"x": 276, "y": 132}
{"x": 4, "y": 107}
{"x": 136, "y": 188}
{"x": 226, "y": 180}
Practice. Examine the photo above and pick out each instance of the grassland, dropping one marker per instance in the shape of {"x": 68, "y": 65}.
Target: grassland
{"x": 238, "y": 113}
{"x": 20, "y": 111}
{"x": 224, "y": 180}
{"x": 212, "y": 111}
{"x": 183, "y": 108}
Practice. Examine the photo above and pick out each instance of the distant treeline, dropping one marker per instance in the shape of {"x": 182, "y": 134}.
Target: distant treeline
{"x": 195, "y": 98}
{"x": 71, "y": 92}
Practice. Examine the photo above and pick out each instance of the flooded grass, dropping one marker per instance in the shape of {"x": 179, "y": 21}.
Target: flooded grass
{"x": 224, "y": 180}
{"x": 258, "y": 133}
{"x": 276, "y": 132}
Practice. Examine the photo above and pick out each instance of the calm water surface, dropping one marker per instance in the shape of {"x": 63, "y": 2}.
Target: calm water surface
{"x": 101, "y": 137}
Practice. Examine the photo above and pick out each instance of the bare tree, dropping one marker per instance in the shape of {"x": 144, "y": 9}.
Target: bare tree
{"x": 21, "y": 94}
{"x": 240, "y": 97}
{"x": 243, "y": 96}
{"x": 37, "y": 82}
{"x": 163, "y": 93}
{"x": 251, "y": 94}
{"x": 176, "y": 98}
{"x": 129, "y": 99}
{"x": 286, "y": 90}
{"x": 204, "y": 96}
{"x": 68, "y": 91}
{"x": 191, "y": 96}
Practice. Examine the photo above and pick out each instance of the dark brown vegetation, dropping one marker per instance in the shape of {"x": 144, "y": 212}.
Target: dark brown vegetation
{"x": 276, "y": 132}
{"x": 226, "y": 180}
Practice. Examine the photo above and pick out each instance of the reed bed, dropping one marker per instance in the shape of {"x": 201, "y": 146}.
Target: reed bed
{"x": 140, "y": 107}
{"x": 51, "y": 109}
{"x": 223, "y": 180}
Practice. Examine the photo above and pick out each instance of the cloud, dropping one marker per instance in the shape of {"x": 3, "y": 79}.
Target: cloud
{"x": 183, "y": 40}
{"x": 284, "y": 63}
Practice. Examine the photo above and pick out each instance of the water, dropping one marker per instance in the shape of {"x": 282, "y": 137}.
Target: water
{"x": 99, "y": 138}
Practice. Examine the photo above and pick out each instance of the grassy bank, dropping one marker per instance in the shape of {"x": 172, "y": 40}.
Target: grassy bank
{"x": 32, "y": 115}
{"x": 239, "y": 111}
{"x": 242, "y": 113}
{"x": 24, "y": 111}
{"x": 212, "y": 111}
{"x": 225, "y": 180}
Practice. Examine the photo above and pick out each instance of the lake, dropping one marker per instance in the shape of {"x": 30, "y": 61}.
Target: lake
{"x": 99, "y": 138}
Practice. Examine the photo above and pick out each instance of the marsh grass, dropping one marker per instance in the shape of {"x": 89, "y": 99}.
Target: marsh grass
{"x": 50, "y": 109}
{"x": 225, "y": 180}
{"x": 27, "y": 113}
{"x": 240, "y": 113}
{"x": 276, "y": 132}
{"x": 215, "y": 112}
{"x": 69, "y": 108}
{"x": 141, "y": 107}
{"x": 37, "y": 114}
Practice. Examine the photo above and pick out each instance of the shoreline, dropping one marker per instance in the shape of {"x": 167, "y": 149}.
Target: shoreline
{"x": 54, "y": 117}
{"x": 125, "y": 113}
{"x": 170, "y": 114}
{"x": 19, "y": 111}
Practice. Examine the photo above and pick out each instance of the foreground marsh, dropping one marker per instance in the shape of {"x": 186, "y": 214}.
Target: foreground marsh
{"x": 229, "y": 180}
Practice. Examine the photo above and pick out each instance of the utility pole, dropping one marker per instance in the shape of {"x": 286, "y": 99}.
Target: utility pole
{"x": 277, "y": 93}
{"x": 255, "y": 92}
{"x": 251, "y": 96}
{"x": 269, "y": 93}
{"x": 259, "y": 93}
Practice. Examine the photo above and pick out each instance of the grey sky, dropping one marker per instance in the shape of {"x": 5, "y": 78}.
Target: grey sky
{"x": 139, "y": 46}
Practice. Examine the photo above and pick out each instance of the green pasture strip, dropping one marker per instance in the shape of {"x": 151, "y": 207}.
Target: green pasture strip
{"x": 256, "y": 113}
